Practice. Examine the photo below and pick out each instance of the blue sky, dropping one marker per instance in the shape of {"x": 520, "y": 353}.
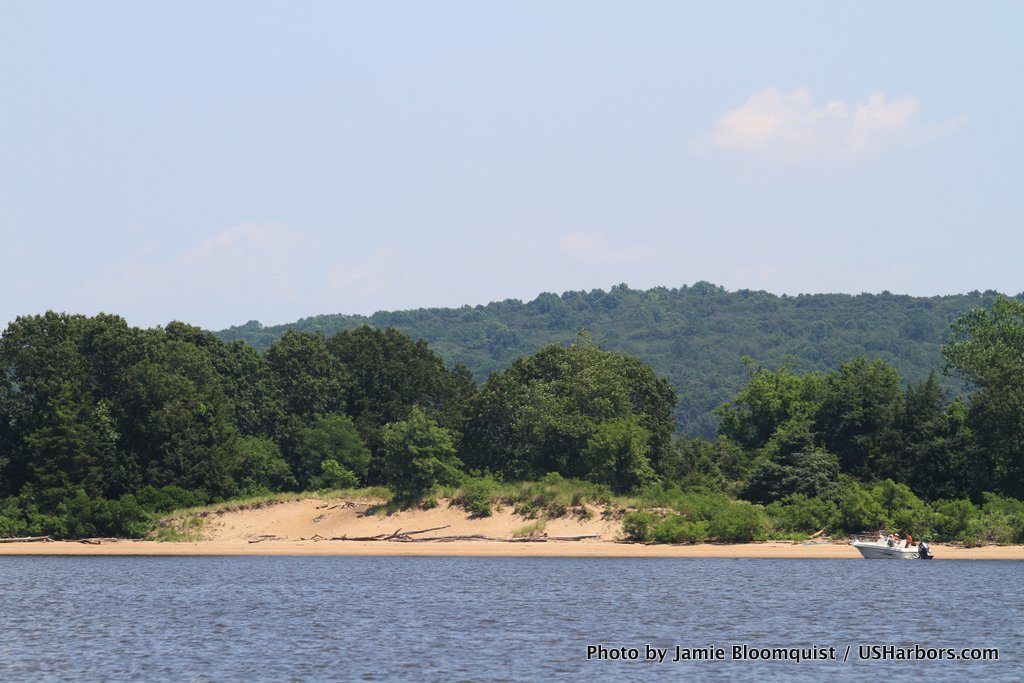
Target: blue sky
{"x": 221, "y": 162}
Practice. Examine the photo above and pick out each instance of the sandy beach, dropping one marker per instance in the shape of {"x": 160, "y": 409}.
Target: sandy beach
{"x": 486, "y": 549}
{"x": 312, "y": 526}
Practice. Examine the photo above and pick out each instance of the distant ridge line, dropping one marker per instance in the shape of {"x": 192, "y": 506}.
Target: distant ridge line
{"x": 695, "y": 335}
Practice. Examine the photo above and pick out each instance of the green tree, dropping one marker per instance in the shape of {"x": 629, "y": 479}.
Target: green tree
{"x": 935, "y": 447}
{"x": 175, "y": 421}
{"x": 769, "y": 400}
{"x": 309, "y": 378}
{"x": 64, "y": 455}
{"x": 541, "y": 414}
{"x": 616, "y": 454}
{"x": 330, "y": 439}
{"x": 856, "y": 419}
{"x": 987, "y": 347}
{"x": 245, "y": 377}
{"x": 811, "y": 472}
{"x": 418, "y": 455}
{"x": 261, "y": 466}
{"x": 692, "y": 335}
{"x": 389, "y": 373}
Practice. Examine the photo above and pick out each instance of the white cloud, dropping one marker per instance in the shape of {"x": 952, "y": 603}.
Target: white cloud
{"x": 598, "y": 251}
{"x": 790, "y": 127}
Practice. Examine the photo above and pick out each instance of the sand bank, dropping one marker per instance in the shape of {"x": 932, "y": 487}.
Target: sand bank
{"x": 305, "y": 527}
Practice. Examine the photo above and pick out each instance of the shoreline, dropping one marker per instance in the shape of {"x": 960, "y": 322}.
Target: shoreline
{"x": 596, "y": 549}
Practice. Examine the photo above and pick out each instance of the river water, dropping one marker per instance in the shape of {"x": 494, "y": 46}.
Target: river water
{"x": 481, "y": 619}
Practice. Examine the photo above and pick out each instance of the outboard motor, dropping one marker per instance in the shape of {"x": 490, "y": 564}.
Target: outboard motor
{"x": 923, "y": 551}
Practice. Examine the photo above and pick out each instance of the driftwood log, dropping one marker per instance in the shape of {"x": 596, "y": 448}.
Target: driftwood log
{"x": 267, "y": 537}
{"x": 27, "y": 539}
{"x": 407, "y": 537}
{"x": 423, "y": 531}
{"x": 449, "y": 539}
{"x": 397, "y": 535}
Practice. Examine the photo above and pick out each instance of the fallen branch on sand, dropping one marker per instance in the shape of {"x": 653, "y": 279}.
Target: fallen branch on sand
{"x": 423, "y": 531}
{"x": 397, "y": 535}
{"x": 267, "y": 537}
{"x": 579, "y": 537}
{"x": 406, "y": 537}
{"x": 27, "y": 539}
{"x": 449, "y": 539}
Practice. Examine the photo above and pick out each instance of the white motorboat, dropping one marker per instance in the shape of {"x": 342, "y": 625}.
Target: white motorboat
{"x": 883, "y": 549}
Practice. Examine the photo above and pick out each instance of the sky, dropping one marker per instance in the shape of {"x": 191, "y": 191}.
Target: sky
{"x": 223, "y": 162}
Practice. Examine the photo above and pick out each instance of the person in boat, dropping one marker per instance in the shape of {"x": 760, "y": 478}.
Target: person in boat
{"x": 910, "y": 540}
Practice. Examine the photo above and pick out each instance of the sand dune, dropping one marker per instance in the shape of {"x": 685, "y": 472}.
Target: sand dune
{"x": 307, "y": 518}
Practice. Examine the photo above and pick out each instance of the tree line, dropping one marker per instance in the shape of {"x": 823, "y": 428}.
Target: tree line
{"x": 693, "y": 335}
{"x": 103, "y": 424}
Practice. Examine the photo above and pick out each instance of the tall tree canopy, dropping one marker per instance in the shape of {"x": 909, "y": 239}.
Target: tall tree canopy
{"x": 987, "y": 347}
{"x": 693, "y": 335}
{"x": 551, "y": 412}
{"x": 389, "y": 374}
{"x": 92, "y": 407}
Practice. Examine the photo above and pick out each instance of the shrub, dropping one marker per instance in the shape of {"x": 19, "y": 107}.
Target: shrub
{"x": 677, "y": 529}
{"x": 556, "y": 510}
{"x": 741, "y": 522}
{"x": 801, "y": 513}
{"x": 892, "y": 496}
{"x": 530, "y": 530}
{"x": 696, "y": 505}
{"x": 904, "y": 511}
{"x": 1013, "y": 512}
{"x": 476, "y": 496}
{"x": 918, "y": 520}
{"x": 169, "y": 498}
{"x": 858, "y": 510}
{"x": 526, "y": 508}
{"x": 87, "y": 517}
{"x": 636, "y": 526}
{"x": 989, "y": 528}
{"x": 952, "y": 518}
{"x": 658, "y": 495}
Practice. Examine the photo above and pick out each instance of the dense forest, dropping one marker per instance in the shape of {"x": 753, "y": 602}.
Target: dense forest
{"x": 104, "y": 425}
{"x": 695, "y": 336}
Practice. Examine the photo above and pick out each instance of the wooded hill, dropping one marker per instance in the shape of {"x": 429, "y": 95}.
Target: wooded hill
{"x": 696, "y": 336}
